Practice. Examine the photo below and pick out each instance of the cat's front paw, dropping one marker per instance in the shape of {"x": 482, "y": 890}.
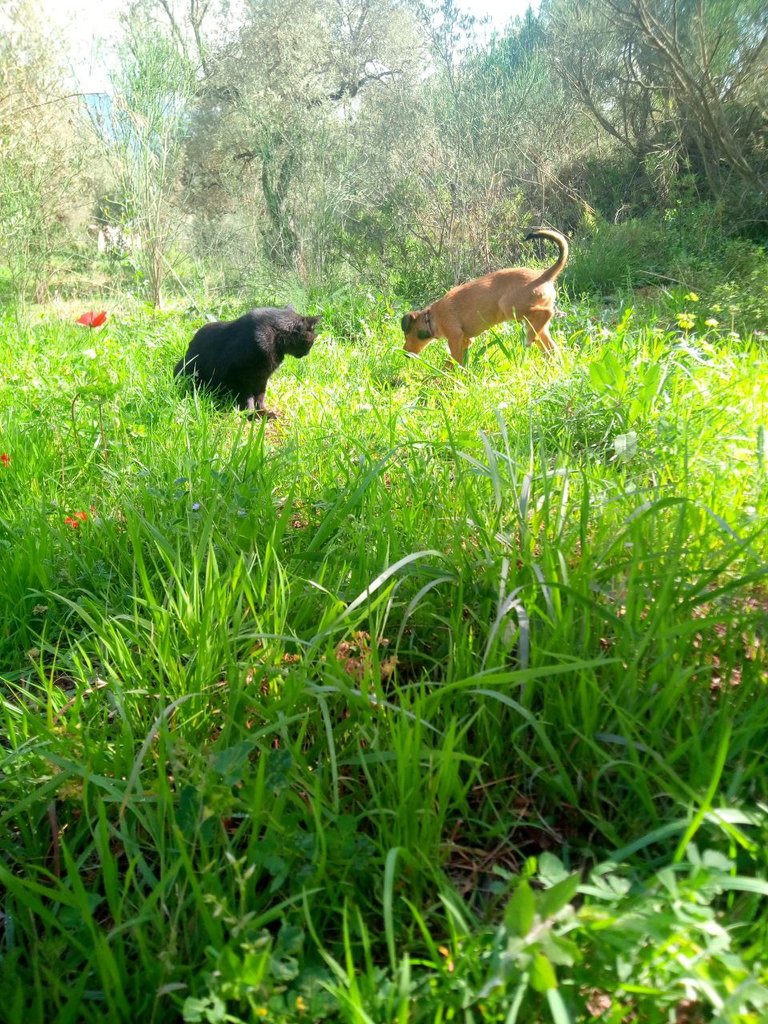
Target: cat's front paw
{"x": 267, "y": 414}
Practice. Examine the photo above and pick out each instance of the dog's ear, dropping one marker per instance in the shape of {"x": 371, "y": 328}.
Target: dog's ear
{"x": 312, "y": 321}
{"x": 406, "y": 322}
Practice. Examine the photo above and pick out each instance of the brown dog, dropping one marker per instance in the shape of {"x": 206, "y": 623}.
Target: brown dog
{"x": 469, "y": 309}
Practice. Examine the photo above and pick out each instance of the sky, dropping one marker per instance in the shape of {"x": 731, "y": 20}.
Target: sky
{"x": 499, "y": 11}
{"x": 88, "y": 25}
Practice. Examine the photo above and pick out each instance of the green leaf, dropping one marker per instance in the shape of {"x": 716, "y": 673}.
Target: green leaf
{"x": 551, "y": 869}
{"x": 740, "y": 883}
{"x": 543, "y": 977}
{"x": 279, "y": 765}
{"x": 613, "y": 365}
{"x": 188, "y": 810}
{"x": 290, "y": 940}
{"x": 254, "y": 967}
{"x": 555, "y": 898}
{"x": 598, "y": 377}
{"x": 521, "y": 910}
{"x": 651, "y": 383}
{"x": 230, "y": 762}
{"x": 194, "y": 1009}
{"x": 625, "y": 445}
{"x": 211, "y": 1009}
{"x": 557, "y": 1007}
{"x": 561, "y": 951}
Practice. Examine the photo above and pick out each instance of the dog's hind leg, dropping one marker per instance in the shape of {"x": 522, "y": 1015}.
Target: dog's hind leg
{"x": 537, "y": 323}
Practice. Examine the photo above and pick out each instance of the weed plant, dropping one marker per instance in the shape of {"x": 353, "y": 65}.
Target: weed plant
{"x": 441, "y": 697}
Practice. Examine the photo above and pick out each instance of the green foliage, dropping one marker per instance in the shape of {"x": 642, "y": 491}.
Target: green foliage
{"x": 654, "y": 946}
{"x": 141, "y": 130}
{"x": 43, "y": 163}
{"x": 292, "y": 710}
{"x": 392, "y": 147}
{"x": 685, "y": 249}
{"x": 262, "y": 978}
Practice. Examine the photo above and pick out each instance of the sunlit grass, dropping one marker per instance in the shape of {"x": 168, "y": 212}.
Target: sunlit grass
{"x": 290, "y": 706}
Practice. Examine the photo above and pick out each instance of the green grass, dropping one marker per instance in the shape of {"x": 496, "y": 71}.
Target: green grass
{"x": 309, "y": 720}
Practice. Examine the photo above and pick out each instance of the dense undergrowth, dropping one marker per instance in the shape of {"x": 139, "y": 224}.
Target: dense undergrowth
{"x": 442, "y": 697}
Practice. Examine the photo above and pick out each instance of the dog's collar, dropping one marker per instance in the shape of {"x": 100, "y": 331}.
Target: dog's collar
{"x": 428, "y": 321}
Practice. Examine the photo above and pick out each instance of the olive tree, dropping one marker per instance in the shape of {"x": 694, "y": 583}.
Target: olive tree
{"x": 271, "y": 139}
{"x": 681, "y": 81}
{"x": 143, "y": 129}
{"x": 42, "y": 153}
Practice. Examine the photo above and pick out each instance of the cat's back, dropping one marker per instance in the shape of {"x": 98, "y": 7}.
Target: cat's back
{"x": 226, "y": 346}
{"x": 214, "y": 345}
{"x": 219, "y": 332}
{"x": 278, "y": 318}
{"x": 257, "y": 325}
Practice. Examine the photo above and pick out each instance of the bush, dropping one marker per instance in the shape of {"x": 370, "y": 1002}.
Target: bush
{"x": 615, "y": 256}
{"x": 689, "y": 247}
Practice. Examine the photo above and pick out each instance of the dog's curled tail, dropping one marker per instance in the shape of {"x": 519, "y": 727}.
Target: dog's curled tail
{"x": 560, "y": 241}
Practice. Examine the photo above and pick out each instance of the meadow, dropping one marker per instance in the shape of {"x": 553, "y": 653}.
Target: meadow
{"x": 439, "y": 698}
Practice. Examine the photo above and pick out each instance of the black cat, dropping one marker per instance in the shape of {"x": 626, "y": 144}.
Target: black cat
{"x": 238, "y": 357}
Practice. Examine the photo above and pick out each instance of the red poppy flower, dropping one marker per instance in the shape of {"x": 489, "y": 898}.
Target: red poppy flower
{"x": 5, "y": 459}
{"x": 92, "y": 319}
{"x": 75, "y": 520}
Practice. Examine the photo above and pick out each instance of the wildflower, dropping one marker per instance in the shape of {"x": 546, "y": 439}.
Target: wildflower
{"x": 691, "y": 297}
{"x": 5, "y": 459}
{"x": 195, "y": 506}
{"x": 92, "y": 319}
{"x": 447, "y": 954}
{"x": 301, "y": 1004}
{"x": 75, "y": 520}
{"x": 686, "y": 321}
{"x": 711, "y": 322}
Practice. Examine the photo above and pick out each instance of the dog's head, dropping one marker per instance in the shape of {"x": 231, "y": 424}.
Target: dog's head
{"x": 417, "y": 328}
{"x": 301, "y": 338}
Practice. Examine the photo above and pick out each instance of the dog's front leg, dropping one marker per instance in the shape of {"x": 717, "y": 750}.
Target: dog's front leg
{"x": 458, "y": 345}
